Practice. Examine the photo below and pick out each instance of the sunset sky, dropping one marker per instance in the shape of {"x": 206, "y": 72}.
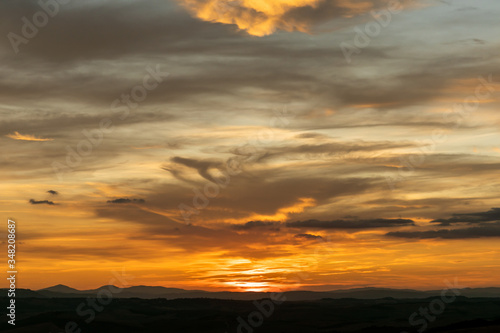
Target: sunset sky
{"x": 252, "y": 145}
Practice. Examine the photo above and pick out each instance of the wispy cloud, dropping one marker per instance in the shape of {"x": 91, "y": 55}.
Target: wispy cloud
{"x": 26, "y": 137}
{"x": 492, "y": 230}
{"x": 354, "y": 224}
{"x": 125, "y": 201}
{"x": 308, "y": 236}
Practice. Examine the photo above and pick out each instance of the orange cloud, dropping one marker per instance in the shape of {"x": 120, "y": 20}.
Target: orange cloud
{"x": 257, "y": 17}
{"x": 263, "y": 17}
{"x": 26, "y": 137}
{"x": 281, "y": 214}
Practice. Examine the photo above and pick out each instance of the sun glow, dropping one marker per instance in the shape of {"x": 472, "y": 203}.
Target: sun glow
{"x": 250, "y": 286}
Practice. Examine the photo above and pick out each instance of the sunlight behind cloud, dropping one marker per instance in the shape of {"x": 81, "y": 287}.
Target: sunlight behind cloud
{"x": 257, "y": 17}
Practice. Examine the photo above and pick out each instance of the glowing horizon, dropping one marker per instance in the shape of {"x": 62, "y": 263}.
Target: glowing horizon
{"x": 253, "y": 145}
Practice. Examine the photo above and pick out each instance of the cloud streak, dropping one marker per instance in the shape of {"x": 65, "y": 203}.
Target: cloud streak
{"x": 41, "y": 202}
{"x": 472, "y": 218}
{"x": 125, "y": 201}
{"x": 485, "y": 231}
{"x": 26, "y": 137}
{"x": 351, "y": 224}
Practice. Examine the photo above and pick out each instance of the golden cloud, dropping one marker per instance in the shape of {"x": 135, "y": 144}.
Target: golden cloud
{"x": 26, "y": 137}
{"x": 263, "y": 17}
{"x": 257, "y": 17}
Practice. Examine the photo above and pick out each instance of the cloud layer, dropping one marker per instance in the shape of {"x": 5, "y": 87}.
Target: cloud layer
{"x": 286, "y": 157}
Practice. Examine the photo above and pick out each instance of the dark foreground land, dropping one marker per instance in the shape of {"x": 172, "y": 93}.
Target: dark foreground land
{"x": 481, "y": 315}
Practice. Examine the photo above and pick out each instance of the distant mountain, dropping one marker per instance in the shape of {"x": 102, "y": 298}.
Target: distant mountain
{"x": 23, "y": 293}
{"x": 480, "y": 292}
{"x": 61, "y": 288}
{"x": 146, "y": 292}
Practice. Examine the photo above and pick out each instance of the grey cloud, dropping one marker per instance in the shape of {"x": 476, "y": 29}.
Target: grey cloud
{"x": 106, "y": 30}
{"x": 41, "y": 202}
{"x": 308, "y": 236}
{"x": 480, "y": 217}
{"x": 336, "y": 224}
{"x": 78, "y": 34}
{"x": 61, "y": 124}
{"x": 255, "y": 224}
{"x": 125, "y": 201}
{"x": 202, "y": 166}
{"x": 351, "y": 224}
{"x": 492, "y": 230}
{"x": 327, "y": 10}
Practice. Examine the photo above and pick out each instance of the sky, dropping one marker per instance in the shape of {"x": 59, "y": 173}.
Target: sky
{"x": 251, "y": 145}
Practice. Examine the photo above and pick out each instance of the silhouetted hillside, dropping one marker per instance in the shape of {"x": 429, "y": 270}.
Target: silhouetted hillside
{"x": 61, "y": 291}
{"x": 463, "y": 315}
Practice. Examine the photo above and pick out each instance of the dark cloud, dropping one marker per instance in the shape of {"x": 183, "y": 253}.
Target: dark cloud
{"x": 492, "y": 230}
{"x": 255, "y": 224}
{"x": 308, "y": 236}
{"x": 126, "y": 200}
{"x": 489, "y": 216}
{"x": 82, "y": 33}
{"x": 164, "y": 33}
{"x": 337, "y": 224}
{"x": 337, "y": 14}
{"x": 489, "y": 226}
{"x": 351, "y": 224}
{"x": 53, "y": 192}
{"x": 201, "y": 166}
{"x": 41, "y": 202}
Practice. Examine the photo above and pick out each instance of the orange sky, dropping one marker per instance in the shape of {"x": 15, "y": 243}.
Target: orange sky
{"x": 263, "y": 160}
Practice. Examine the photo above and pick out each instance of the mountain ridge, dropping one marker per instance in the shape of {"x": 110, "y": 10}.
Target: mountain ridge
{"x": 153, "y": 292}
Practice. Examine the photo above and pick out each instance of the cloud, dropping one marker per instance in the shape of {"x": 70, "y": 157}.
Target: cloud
{"x": 202, "y": 167}
{"x": 42, "y": 202}
{"x": 53, "y": 192}
{"x": 255, "y": 224}
{"x": 337, "y": 224}
{"x": 489, "y": 226}
{"x": 463, "y": 233}
{"x": 308, "y": 236}
{"x": 125, "y": 201}
{"x": 26, "y": 137}
{"x": 256, "y": 17}
{"x": 261, "y": 18}
{"x": 351, "y": 224}
{"x": 489, "y": 216}
{"x": 83, "y": 35}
